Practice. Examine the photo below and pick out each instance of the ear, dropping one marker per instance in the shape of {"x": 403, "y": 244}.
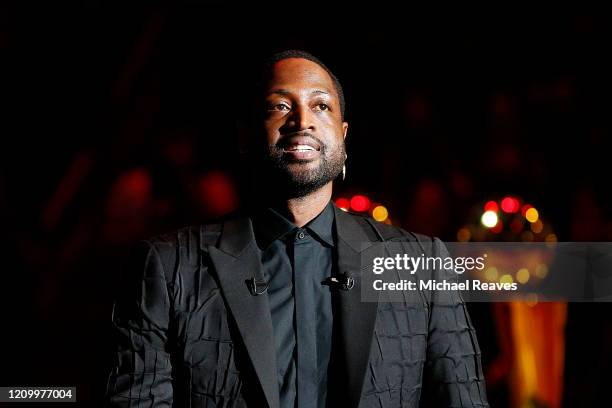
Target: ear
{"x": 344, "y": 129}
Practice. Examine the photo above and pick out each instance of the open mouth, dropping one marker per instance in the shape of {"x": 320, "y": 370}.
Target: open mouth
{"x": 300, "y": 148}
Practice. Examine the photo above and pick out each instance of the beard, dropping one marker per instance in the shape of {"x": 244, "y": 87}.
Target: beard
{"x": 293, "y": 178}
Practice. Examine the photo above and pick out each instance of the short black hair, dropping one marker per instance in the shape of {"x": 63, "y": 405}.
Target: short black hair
{"x": 294, "y": 53}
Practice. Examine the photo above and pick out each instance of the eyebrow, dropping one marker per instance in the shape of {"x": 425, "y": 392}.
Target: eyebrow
{"x": 286, "y": 92}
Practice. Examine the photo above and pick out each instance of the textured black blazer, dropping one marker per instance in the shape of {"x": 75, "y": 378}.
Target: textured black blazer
{"x": 190, "y": 334}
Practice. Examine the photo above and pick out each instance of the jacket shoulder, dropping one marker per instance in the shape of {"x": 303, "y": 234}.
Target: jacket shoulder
{"x": 390, "y": 232}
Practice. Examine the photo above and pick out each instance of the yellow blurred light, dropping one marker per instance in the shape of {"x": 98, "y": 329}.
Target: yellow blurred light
{"x": 464, "y": 235}
{"x": 522, "y": 276}
{"x": 491, "y": 273}
{"x": 506, "y": 278}
{"x": 532, "y": 215}
{"x": 380, "y": 213}
{"x": 489, "y": 219}
{"x": 541, "y": 271}
{"x": 537, "y": 226}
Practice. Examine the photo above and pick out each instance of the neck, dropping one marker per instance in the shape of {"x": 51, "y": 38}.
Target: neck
{"x": 302, "y": 210}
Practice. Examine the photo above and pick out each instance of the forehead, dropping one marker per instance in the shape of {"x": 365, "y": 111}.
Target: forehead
{"x": 295, "y": 74}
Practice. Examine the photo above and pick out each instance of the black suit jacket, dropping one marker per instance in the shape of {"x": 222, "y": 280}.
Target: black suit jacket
{"x": 190, "y": 334}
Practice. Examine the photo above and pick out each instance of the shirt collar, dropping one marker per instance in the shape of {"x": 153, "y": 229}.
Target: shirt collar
{"x": 323, "y": 225}
{"x": 269, "y": 225}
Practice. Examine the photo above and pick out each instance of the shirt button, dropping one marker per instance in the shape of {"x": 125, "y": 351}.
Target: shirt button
{"x": 301, "y": 235}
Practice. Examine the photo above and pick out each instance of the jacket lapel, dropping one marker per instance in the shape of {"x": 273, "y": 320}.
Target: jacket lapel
{"x": 356, "y": 319}
{"x": 236, "y": 260}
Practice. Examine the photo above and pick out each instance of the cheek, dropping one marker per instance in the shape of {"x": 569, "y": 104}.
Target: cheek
{"x": 271, "y": 132}
{"x": 336, "y": 141}
{"x": 332, "y": 124}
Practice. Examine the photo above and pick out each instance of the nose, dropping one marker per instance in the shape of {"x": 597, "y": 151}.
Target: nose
{"x": 301, "y": 118}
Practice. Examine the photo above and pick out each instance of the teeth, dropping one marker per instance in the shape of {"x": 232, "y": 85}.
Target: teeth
{"x": 301, "y": 148}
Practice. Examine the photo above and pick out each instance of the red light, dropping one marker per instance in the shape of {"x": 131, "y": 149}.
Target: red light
{"x": 498, "y": 227}
{"x": 360, "y": 203}
{"x": 510, "y": 204}
{"x": 491, "y": 206}
{"x": 343, "y": 203}
{"x": 217, "y": 193}
{"x": 525, "y": 208}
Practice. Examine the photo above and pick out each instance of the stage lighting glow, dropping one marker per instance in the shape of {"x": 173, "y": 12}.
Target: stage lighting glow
{"x": 343, "y": 204}
{"x": 537, "y": 226}
{"x": 522, "y": 276}
{"x": 532, "y": 215}
{"x": 360, "y": 203}
{"x": 380, "y": 213}
{"x": 489, "y": 219}
{"x": 527, "y": 236}
{"x": 510, "y": 205}
{"x": 551, "y": 238}
{"x": 498, "y": 228}
{"x": 541, "y": 271}
{"x": 532, "y": 299}
{"x": 491, "y": 206}
{"x": 491, "y": 273}
{"x": 464, "y": 234}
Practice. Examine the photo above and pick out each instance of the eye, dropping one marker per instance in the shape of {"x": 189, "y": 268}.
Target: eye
{"x": 282, "y": 107}
{"x": 322, "y": 107}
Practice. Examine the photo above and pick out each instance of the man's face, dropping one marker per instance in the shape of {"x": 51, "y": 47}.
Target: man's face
{"x": 303, "y": 126}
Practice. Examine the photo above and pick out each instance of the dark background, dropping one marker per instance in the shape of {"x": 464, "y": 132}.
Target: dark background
{"x": 119, "y": 123}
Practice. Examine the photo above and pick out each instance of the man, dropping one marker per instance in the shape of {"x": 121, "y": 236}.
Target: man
{"x": 264, "y": 309}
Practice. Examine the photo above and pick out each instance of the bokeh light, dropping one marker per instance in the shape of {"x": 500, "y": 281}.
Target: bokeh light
{"x": 498, "y": 228}
{"x": 551, "y": 238}
{"x": 464, "y": 234}
{"x": 360, "y": 203}
{"x": 537, "y": 226}
{"x": 491, "y": 273}
{"x": 343, "y": 203}
{"x": 541, "y": 271}
{"x": 380, "y": 213}
{"x": 524, "y": 209}
{"x": 489, "y": 219}
{"x": 522, "y": 276}
{"x": 491, "y": 206}
{"x": 532, "y": 215}
{"x": 510, "y": 205}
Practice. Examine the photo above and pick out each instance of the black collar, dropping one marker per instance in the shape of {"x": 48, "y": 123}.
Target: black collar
{"x": 270, "y": 225}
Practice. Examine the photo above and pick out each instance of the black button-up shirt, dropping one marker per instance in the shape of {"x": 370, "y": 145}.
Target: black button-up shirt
{"x": 295, "y": 263}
